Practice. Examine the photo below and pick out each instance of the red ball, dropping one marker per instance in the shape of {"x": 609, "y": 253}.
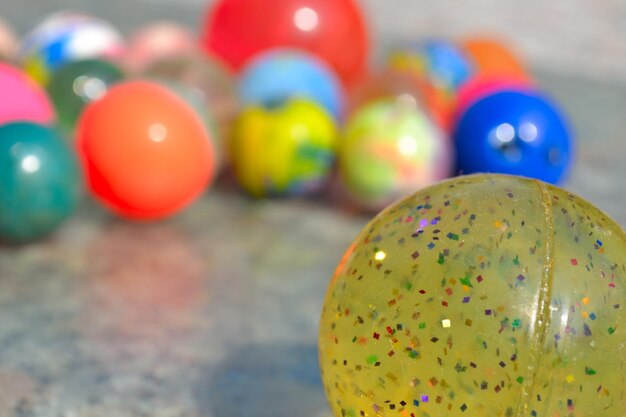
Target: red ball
{"x": 332, "y": 29}
{"x": 479, "y": 87}
{"x": 146, "y": 153}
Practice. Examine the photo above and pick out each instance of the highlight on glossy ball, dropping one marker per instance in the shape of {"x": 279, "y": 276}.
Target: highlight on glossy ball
{"x": 79, "y": 83}
{"x": 145, "y": 152}
{"x": 514, "y": 132}
{"x": 39, "y": 181}
{"x": 64, "y": 37}
{"x": 21, "y": 99}
{"x": 284, "y": 151}
{"x": 391, "y": 148}
{"x": 485, "y": 295}
{"x": 334, "y": 30}
{"x": 280, "y": 74}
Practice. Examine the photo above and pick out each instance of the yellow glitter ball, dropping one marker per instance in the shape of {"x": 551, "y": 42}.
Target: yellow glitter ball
{"x": 522, "y": 346}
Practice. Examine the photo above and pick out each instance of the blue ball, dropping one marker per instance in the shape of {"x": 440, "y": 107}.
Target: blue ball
{"x": 278, "y": 75}
{"x": 447, "y": 64}
{"x": 514, "y": 132}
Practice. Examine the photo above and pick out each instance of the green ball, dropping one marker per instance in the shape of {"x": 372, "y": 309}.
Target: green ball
{"x": 39, "y": 181}
{"x": 77, "y": 84}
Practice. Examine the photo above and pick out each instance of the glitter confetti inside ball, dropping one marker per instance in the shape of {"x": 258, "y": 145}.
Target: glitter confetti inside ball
{"x": 480, "y": 296}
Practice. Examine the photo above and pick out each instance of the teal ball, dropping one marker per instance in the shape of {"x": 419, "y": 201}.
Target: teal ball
{"x": 39, "y": 181}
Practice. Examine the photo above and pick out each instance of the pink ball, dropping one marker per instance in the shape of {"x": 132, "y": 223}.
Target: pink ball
{"x": 21, "y": 99}
{"x": 156, "y": 41}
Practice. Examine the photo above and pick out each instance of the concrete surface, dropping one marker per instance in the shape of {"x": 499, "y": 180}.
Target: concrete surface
{"x": 214, "y": 313}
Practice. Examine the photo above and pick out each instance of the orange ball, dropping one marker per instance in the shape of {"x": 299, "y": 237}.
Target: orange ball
{"x": 145, "y": 152}
{"x": 492, "y": 58}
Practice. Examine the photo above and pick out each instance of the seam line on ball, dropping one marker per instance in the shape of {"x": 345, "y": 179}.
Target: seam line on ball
{"x": 544, "y": 298}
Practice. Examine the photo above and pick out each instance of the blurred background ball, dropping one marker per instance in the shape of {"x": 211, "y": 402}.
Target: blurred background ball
{"x": 391, "y": 148}
{"x": 441, "y": 62}
{"x": 492, "y": 57}
{"x": 480, "y": 86}
{"x": 274, "y": 76}
{"x": 514, "y": 132}
{"x": 464, "y": 297}
{"x": 146, "y": 154}
{"x": 334, "y": 30}
{"x": 209, "y": 81}
{"x": 282, "y": 151}
{"x": 158, "y": 40}
{"x": 439, "y": 65}
{"x": 39, "y": 181}
{"x": 64, "y": 37}
{"x": 391, "y": 84}
{"x": 77, "y": 84}
{"x": 8, "y": 42}
{"x": 21, "y": 99}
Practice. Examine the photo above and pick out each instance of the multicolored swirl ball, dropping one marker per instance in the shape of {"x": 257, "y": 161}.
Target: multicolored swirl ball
{"x": 481, "y": 296}
{"x": 444, "y": 68}
{"x": 440, "y": 61}
{"x": 283, "y": 151}
{"x": 391, "y": 148}
{"x": 64, "y": 37}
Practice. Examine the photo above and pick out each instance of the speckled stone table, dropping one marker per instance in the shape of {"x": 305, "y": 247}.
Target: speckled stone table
{"x": 213, "y": 313}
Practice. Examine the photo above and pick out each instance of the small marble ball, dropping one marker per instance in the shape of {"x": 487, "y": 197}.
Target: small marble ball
{"x": 391, "y": 148}
{"x": 79, "y": 83}
{"x": 64, "y": 37}
{"x": 158, "y": 40}
{"x": 480, "y": 296}
{"x": 40, "y": 181}
{"x": 283, "y": 151}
